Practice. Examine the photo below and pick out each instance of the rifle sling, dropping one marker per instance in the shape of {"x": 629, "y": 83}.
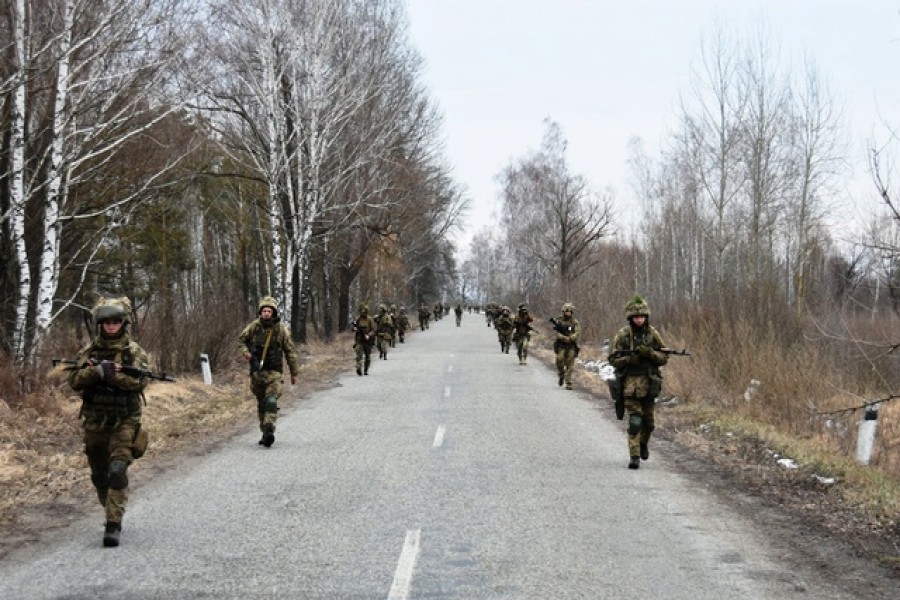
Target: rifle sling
{"x": 262, "y": 359}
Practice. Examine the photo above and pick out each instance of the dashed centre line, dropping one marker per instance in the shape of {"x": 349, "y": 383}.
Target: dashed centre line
{"x": 446, "y": 391}
{"x": 450, "y": 369}
{"x": 439, "y": 437}
{"x": 405, "y": 566}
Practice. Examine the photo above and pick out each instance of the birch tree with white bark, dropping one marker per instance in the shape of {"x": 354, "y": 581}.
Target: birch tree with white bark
{"x": 92, "y": 77}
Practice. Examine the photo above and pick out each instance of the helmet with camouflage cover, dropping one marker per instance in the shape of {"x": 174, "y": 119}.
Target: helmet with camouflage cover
{"x": 363, "y": 308}
{"x": 568, "y": 307}
{"x": 112, "y": 308}
{"x": 637, "y": 306}
{"x": 271, "y": 303}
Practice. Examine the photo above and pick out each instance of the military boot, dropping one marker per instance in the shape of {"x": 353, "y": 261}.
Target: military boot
{"x": 268, "y": 437}
{"x": 111, "y": 534}
{"x": 634, "y": 463}
{"x": 358, "y": 371}
{"x": 645, "y": 451}
{"x": 561, "y": 380}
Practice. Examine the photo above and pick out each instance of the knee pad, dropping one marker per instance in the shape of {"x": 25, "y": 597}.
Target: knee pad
{"x": 272, "y": 404}
{"x": 118, "y": 478}
{"x": 634, "y": 424}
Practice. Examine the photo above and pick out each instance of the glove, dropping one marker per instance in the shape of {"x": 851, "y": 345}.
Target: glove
{"x": 644, "y": 351}
{"x": 105, "y": 369}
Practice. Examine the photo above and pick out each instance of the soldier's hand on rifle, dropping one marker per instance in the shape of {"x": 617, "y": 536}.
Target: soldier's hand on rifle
{"x": 644, "y": 351}
{"x": 106, "y": 369}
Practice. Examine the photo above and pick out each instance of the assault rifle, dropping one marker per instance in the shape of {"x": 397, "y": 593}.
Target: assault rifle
{"x": 256, "y": 363}
{"x": 561, "y": 328}
{"x": 128, "y": 370}
{"x": 669, "y": 351}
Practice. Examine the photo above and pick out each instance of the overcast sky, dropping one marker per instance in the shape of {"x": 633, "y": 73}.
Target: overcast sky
{"x": 607, "y": 70}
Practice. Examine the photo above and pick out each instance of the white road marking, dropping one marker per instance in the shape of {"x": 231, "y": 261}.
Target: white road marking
{"x": 405, "y": 566}
{"x": 439, "y": 436}
{"x": 446, "y": 391}
{"x": 450, "y": 369}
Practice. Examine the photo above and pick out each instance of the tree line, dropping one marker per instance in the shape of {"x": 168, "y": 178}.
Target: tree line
{"x": 196, "y": 155}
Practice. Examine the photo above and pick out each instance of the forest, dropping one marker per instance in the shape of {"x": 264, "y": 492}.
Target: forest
{"x": 197, "y": 155}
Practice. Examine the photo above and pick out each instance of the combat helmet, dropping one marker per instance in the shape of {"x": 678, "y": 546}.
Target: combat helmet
{"x": 568, "y": 306}
{"x": 363, "y": 308}
{"x": 271, "y": 303}
{"x": 112, "y": 308}
{"x": 637, "y": 306}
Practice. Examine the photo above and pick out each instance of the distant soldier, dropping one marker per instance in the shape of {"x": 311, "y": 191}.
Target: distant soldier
{"x": 438, "y": 311}
{"x": 522, "y": 332}
{"x": 424, "y": 316}
{"x": 567, "y": 330}
{"x": 384, "y": 327}
{"x": 266, "y": 344}
{"x": 402, "y": 324}
{"x": 364, "y": 339}
{"x": 111, "y": 408}
{"x": 458, "y": 311}
{"x": 637, "y": 359}
{"x": 393, "y": 313}
{"x": 503, "y": 323}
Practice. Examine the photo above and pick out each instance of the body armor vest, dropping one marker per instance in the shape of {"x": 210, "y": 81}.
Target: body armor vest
{"x": 107, "y": 403}
{"x": 643, "y": 337}
{"x": 274, "y": 359}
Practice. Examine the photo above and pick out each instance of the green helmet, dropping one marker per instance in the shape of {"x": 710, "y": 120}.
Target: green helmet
{"x": 112, "y": 308}
{"x": 568, "y": 307}
{"x": 637, "y": 306}
{"x": 271, "y": 303}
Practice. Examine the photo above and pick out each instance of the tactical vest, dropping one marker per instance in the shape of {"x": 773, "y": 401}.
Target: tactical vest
{"x": 274, "y": 359}
{"x": 105, "y": 403}
{"x": 644, "y": 337}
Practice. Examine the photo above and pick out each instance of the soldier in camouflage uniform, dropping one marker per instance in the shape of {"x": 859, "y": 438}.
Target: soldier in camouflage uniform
{"x": 393, "y": 313}
{"x": 458, "y": 311}
{"x": 364, "y": 339}
{"x": 402, "y": 324}
{"x": 503, "y": 323}
{"x": 637, "y": 359}
{"x": 266, "y": 343}
{"x": 111, "y": 408}
{"x": 424, "y": 316}
{"x": 566, "y": 345}
{"x": 522, "y": 332}
{"x": 384, "y": 326}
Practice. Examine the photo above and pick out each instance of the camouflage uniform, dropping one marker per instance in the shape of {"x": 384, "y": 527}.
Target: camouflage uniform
{"x": 384, "y": 326}
{"x": 640, "y": 375}
{"x": 111, "y": 409}
{"x": 424, "y": 316}
{"x": 522, "y": 332}
{"x": 269, "y": 341}
{"x": 458, "y": 310}
{"x": 393, "y": 313}
{"x": 402, "y": 324}
{"x": 364, "y": 339}
{"x": 566, "y": 345}
{"x": 503, "y": 323}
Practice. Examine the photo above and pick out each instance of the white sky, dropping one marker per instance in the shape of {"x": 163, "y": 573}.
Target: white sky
{"x": 606, "y": 70}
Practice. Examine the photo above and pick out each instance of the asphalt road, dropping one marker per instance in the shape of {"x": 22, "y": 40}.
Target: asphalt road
{"x": 449, "y": 472}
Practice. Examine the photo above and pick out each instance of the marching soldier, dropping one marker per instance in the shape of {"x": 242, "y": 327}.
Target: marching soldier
{"x": 384, "y": 327}
{"x": 111, "y": 408}
{"x": 567, "y": 330}
{"x": 522, "y": 332}
{"x": 364, "y": 339}
{"x": 266, "y": 344}
{"x": 503, "y": 323}
{"x": 637, "y": 358}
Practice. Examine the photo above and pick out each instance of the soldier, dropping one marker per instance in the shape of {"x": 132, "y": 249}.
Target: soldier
{"x": 458, "y": 311}
{"x": 637, "y": 359}
{"x": 384, "y": 325}
{"x": 393, "y": 313}
{"x": 504, "y": 326}
{"x": 522, "y": 332}
{"x": 567, "y": 330}
{"x": 111, "y": 408}
{"x": 424, "y": 315}
{"x": 402, "y": 324}
{"x": 364, "y": 339}
{"x": 266, "y": 343}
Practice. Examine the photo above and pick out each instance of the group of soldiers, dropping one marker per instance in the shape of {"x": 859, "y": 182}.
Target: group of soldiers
{"x": 383, "y": 331}
{"x": 112, "y": 371}
{"x": 636, "y": 353}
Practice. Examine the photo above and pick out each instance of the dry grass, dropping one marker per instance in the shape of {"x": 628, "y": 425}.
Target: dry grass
{"x": 44, "y": 479}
